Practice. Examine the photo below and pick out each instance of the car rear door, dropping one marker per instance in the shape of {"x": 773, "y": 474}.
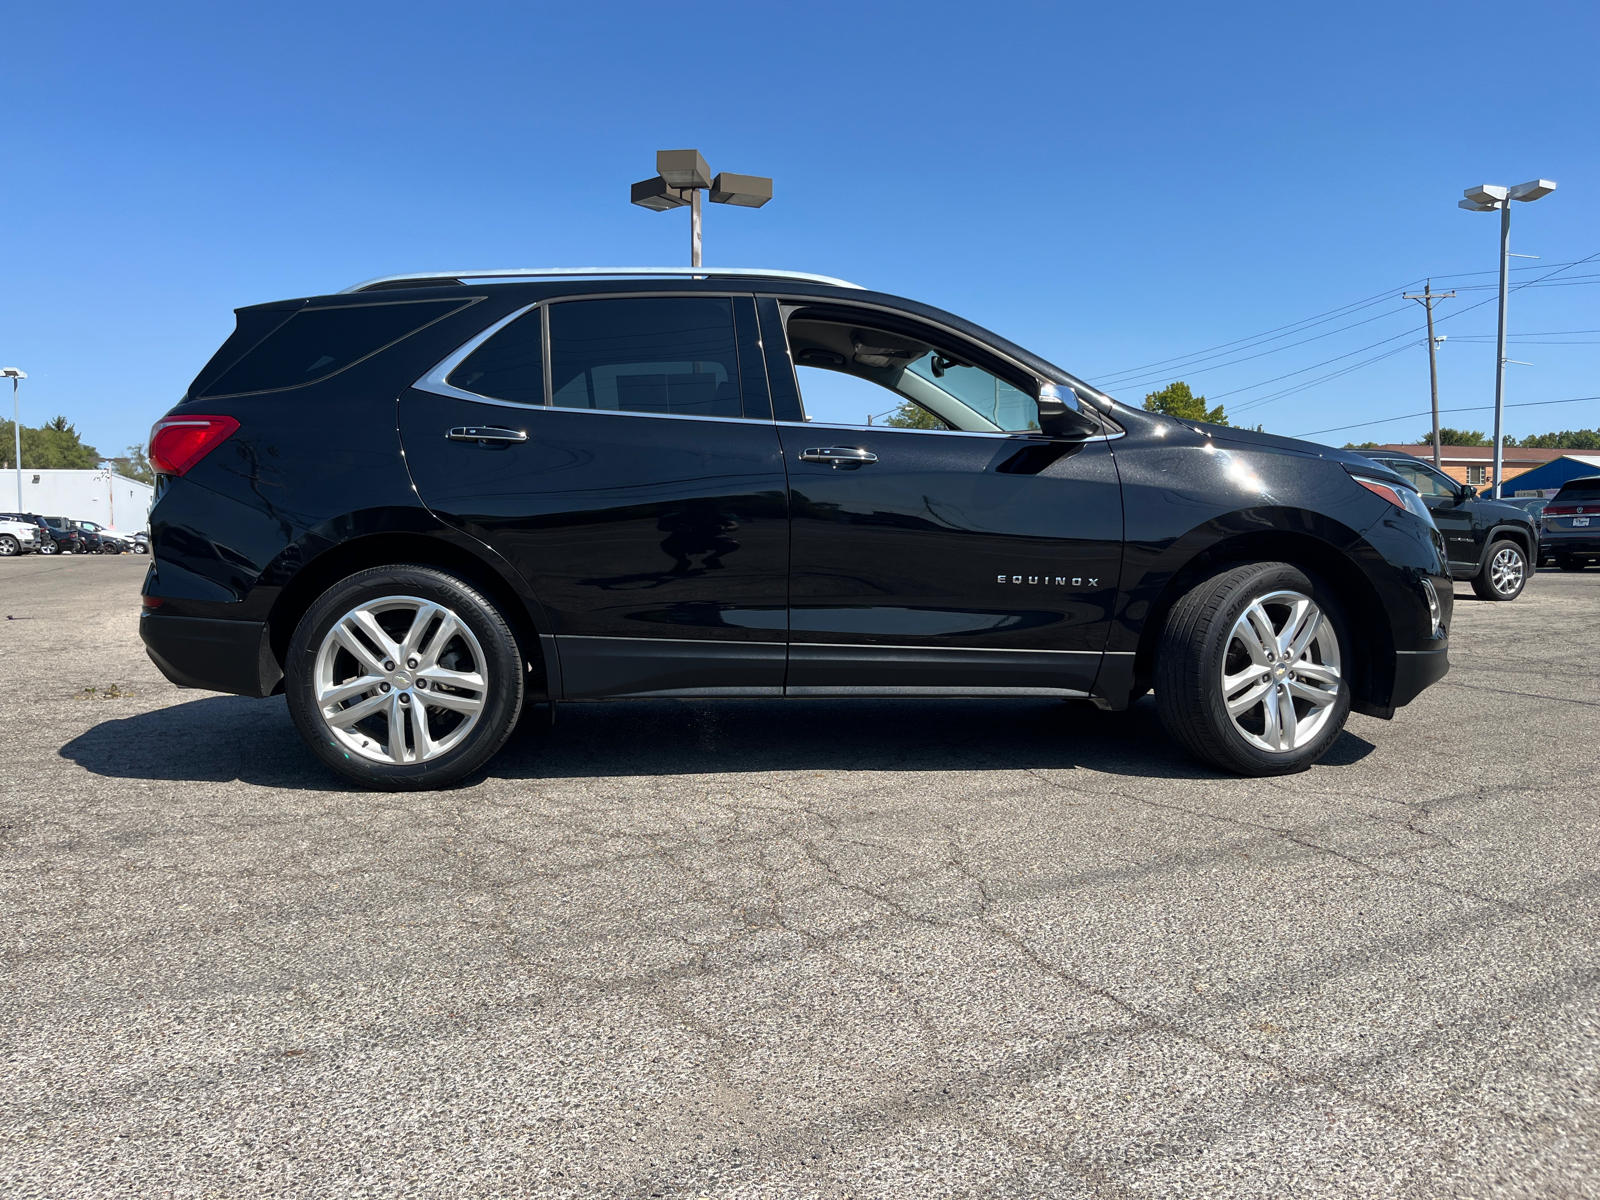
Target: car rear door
{"x": 1452, "y": 510}
{"x": 620, "y": 452}
{"x": 938, "y": 561}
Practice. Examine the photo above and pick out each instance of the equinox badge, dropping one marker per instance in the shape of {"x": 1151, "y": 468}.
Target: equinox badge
{"x": 1046, "y": 580}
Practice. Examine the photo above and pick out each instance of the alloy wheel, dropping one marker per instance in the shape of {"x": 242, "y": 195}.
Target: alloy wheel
{"x": 1280, "y": 672}
{"x": 1506, "y": 570}
{"x": 400, "y": 680}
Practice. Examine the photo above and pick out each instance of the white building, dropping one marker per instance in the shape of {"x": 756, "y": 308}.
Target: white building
{"x": 104, "y": 497}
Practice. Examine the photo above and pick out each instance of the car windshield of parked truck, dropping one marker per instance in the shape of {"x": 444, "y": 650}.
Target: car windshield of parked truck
{"x": 1579, "y": 491}
{"x": 1426, "y": 480}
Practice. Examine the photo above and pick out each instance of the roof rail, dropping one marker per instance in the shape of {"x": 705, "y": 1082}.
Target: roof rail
{"x": 519, "y": 273}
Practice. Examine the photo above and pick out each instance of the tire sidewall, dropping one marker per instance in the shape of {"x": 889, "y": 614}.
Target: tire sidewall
{"x": 504, "y": 662}
{"x": 1247, "y": 757}
{"x": 1495, "y": 549}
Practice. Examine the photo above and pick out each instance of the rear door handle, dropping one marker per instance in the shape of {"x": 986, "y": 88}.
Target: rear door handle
{"x": 839, "y": 456}
{"x": 489, "y": 435}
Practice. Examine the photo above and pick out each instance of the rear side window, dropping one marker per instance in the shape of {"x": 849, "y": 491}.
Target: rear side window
{"x": 661, "y": 355}
{"x": 509, "y": 366}
{"x": 1579, "y": 491}
{"x": 318, "y": 342}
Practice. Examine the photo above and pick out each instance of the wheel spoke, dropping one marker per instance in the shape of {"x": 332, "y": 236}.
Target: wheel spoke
{"x": 1288, "y": 721}
{"x": 397, "y": 729}
{"x": 338, "y": 693}
{"x": 421, "y": 738}
{"x": 1247, "y": 700}
{"x": 447, "y": 630}
{"x": 1320, "y": 672}
{"x": 467, "y": 680}
{"x": 1314, "y": 695}
{"x": 455, "y": 702}
{"x": 345, "y": 633}
{"x": 1254, "y": 630}
{"x": 419, "y": 626}
{"x": 1271, "y": 719}
{"x": 343, "y": 718}
{"x": 368, "y": 624}
{"x": 1305, "y": 623}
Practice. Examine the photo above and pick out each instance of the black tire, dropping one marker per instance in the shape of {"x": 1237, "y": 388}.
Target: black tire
{"x": 488, "y": 646}
{"x": 1567, "y": 563}
{"x": 1198, "y": 642}
{"x": 9, "y": 546}
{"x": 1504, "y": 573}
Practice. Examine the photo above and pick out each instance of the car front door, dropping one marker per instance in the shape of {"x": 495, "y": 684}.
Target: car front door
{"x": 632, "y": 474}
{"x": 944, "y": 545}
{"x": 1452, "y": 510}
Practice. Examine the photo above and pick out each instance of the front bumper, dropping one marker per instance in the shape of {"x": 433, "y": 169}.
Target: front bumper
{"x": 219, "y": 656}
{"x": 1416, "y": 670}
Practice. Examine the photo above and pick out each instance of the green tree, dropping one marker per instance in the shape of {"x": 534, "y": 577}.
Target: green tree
{"x": 55, "y": 445}
{"x": 1177, "y": 400}
{"x": 913, "y": 416}
{"x": 1567, "y": 439}
{"x": 1455, "y": 437}
{"x": 134, "y": 465}
{"x": 1362, "y": 445}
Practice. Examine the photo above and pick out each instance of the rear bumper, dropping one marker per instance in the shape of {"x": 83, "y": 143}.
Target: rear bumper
{"x": 220, "y": 656}
{"x": 1567, "y": 544}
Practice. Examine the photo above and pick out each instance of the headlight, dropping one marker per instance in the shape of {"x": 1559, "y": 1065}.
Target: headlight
{"x": 1400, "y": 497}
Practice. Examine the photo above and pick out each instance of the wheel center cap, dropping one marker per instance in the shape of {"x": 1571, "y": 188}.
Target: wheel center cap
{"x": 1280, "y": 670}
{"x": 400, "y": 680}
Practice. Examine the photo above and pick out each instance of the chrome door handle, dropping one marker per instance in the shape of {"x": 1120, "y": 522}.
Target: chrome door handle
{"x": 839, "y": 456}
{"x": 486, "y": 435}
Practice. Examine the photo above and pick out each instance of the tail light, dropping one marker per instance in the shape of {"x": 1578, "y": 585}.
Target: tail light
{"x": 177, "y": 443}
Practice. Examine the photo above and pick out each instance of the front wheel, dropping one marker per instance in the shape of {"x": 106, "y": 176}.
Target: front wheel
{"x": 9, "y": 545}
{"x": 1504, "y": 574}
{"x": 1250, "y": 670}
{"x": 402, "y": 678}
{"x": 48, "y": 546}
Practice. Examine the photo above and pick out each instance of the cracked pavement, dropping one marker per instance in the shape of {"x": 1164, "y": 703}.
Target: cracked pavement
{"x": 797, "y": 948}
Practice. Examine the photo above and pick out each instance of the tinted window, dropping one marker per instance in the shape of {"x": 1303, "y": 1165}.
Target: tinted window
{"x": 1422, "y": 478}
{"x": 1579, "y": 491}
{"x": 318, "y": 342}
{"x": 509, "y": 366}
{"x": 652, "y": 356}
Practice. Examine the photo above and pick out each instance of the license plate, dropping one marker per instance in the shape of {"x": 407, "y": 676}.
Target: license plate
{"x": 1579, "y": 522}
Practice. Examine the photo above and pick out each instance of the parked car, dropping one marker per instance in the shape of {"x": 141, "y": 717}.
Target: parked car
{"x": 1490, "y": 542}
{"x": 1572, "y": 523}
{"x": 1534, "y": 506}
{"x": 61, "y": 537}
{"x": 17, "y": 537}
{"x": 101, "y": 539}
{"x": 140, "y": 543}
{"x": 606, "y": 487}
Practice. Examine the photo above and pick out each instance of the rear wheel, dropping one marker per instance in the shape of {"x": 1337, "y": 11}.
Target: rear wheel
{"x": 1504, "y": 574}
{"x": 9, "y": 545}
{"x": 403, "y": 678}
{"x": 1249, "y": 670}
{"x": 48, "y": 546}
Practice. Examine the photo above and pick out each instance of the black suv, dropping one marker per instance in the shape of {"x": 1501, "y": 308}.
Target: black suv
{"x": 1490, "y": 542}
{"x": 415, "y": 506}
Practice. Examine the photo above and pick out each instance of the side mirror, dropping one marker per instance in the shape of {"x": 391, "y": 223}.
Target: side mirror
{"x": 1468, "y": 492}
{"x": 1061, "y": 413}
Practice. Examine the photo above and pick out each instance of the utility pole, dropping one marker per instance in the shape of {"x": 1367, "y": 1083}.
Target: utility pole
{"x": 1426, "y": 300}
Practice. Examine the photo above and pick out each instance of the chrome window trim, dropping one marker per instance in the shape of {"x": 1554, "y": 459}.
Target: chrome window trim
{"x": 1021, "y": 433}
{"x": 434, "y": 380}
{"x": 523, "y": 274}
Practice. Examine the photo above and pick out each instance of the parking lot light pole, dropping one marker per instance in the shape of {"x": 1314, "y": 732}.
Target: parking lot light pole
{"x": 682, "y": 176}
{"x": 1487, "y": 197}
{"x": 16, "y": 377}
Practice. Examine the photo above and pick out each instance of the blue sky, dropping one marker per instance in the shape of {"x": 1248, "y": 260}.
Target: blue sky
{"x": 1110, "y": 185}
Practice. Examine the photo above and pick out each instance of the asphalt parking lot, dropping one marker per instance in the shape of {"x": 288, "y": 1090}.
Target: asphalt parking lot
{"x": 797, "y": 949}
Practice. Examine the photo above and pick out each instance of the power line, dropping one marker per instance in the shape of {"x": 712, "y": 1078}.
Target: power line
{"x": 1414, "y": 416}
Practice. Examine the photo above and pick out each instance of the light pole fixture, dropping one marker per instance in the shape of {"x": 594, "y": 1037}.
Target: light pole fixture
{"x": 682, "y": 176}
{"x": 16, "y": 377}
{"x": 1487, "y": 197}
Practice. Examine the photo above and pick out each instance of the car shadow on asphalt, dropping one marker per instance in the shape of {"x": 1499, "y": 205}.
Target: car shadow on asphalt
{"x": 222, "y": 738}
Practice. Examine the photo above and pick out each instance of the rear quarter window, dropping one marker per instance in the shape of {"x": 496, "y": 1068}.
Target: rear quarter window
{"x": 316, "y": 343}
